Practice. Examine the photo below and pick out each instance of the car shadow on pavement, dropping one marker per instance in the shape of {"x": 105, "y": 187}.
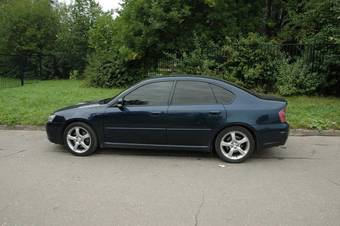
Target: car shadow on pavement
{"x": 277, "y": 153}
{"x": 165, "y": 153}
{"x": 144, "y": 152}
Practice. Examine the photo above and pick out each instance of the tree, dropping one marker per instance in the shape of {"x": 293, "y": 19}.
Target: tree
{"x": 152, "y": 27}
{"x": 72, "y": 45}
{"x": 27, "y": 27}
{"x": 312, "y": 21}
{"x": 28, "y": 30}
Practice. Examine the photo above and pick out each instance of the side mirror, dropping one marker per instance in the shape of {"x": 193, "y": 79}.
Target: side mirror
{"x": 119, "y": 103}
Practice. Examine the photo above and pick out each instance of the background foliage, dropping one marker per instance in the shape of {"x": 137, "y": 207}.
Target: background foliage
{"x": 241, "y": 41}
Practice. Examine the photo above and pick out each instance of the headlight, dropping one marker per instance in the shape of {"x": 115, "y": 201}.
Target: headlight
{"x": 50, "y": 118}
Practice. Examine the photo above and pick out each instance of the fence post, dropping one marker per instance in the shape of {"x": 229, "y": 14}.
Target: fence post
{"x": 23, "y": 63}
{"x": 54, "y": 66}
{"x": 40, "y": 67}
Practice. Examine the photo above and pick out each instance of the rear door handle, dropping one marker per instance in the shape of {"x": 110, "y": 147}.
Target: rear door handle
{"x": 156, "y": 112}
{"x": 214, "y": 112}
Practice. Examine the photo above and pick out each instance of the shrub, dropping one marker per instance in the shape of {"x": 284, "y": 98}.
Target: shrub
{"x": 328, "y": 68}
{"x": 248, "y": 62}
{"x": 114, "y": 72}
{"x": 296, "y": 79}
{"x": 252, "y": 63}
{"x": 201, "y": 60}
{"x": 111, "y": 64}
{"x": 75, "y": 75}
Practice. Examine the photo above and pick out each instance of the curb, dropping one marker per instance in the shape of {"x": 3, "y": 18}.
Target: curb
{"x": 292, "y": 132}
{"x": 22, "y": 127}
{"x": 311, "y": 132}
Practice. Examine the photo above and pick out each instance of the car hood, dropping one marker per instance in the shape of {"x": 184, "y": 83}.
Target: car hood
{"x": 86, "y": 104}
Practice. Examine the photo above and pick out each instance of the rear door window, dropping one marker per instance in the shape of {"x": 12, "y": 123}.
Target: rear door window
{"x": 193, "y": 93}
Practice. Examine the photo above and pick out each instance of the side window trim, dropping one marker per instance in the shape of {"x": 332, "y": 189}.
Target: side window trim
{"x": 212, "y": 90}
{"x": 140, "y": 86}
{"x": 173, "y": 92}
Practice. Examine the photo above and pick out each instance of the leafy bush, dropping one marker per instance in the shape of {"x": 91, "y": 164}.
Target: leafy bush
{"x": 296, "y": 79}
{"x": 252, "y": 63}
{"x": 328, "y": 69}
{"x": 115, "y": 72}
{"x": 201, "y": 60}
{"x": 248, "y": 62}
{"x": 110, "y": 64}
{"x": 75, "y": 75}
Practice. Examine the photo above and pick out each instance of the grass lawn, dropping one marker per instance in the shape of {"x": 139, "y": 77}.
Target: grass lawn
{"x": 314, "y": 112}
{"x": 32, "y": 103}
{"x": 9, "y": 82}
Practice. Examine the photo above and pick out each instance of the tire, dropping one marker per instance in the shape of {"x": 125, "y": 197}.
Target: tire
{"x": 234, "y": 150}
{"x": 85, "y": 138}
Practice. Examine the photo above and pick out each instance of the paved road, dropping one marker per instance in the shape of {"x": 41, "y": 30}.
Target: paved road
{"x": 41, "y": 184}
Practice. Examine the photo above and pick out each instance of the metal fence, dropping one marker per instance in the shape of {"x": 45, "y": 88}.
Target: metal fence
{"x": 313, "y": 55}
{"x": 16, "y": 70}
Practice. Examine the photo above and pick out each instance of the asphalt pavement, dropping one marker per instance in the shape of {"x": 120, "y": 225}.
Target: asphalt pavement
{"x": 42, "y": 184}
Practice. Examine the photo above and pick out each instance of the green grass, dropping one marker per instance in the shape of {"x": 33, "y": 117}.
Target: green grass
{"x": 314, "y": 112}
{"x": 9, "y": 82}
{"x": 32, "y": 103}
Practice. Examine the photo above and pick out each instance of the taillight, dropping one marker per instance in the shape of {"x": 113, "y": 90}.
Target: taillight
{"x": 282, "y": 115}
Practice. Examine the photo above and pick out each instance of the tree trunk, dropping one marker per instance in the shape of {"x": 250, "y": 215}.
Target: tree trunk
{"x": 268, "y": 15}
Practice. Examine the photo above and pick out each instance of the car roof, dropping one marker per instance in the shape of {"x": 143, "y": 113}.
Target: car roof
{"x": 175, "y": 77}
{"x": 231, "y": 87}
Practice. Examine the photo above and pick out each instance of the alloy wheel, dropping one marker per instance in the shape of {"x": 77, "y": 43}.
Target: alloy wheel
{"x": 78, "y": 139}
{"x": 235, "y": 145}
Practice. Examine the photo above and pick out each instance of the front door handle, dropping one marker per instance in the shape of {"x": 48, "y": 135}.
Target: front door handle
{"x": 214, "y": 112}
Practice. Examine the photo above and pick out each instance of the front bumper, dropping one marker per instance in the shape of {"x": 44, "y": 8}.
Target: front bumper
{"x": 55, "y": 132}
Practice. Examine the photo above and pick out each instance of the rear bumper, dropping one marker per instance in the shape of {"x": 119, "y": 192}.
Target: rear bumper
{"x": 54, "y": 132}
{"x": 275, "y": 136}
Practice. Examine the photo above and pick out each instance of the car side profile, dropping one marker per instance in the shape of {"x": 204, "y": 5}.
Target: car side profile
{"x": 177, "y": 112}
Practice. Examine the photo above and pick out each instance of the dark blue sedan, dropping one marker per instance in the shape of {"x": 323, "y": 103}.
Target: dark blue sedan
{"x": 179, "y": 112}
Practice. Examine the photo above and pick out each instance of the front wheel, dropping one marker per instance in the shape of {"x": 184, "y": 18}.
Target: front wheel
{"x": 80, "y": 139}
{"x": 234, "y": 144}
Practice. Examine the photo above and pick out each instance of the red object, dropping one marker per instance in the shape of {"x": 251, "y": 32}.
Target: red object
{"x": 282, "y": 115}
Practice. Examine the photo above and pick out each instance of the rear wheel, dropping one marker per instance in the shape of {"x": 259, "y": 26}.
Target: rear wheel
{"x": 234, "y": 144}
{"x": 80, "y": 139}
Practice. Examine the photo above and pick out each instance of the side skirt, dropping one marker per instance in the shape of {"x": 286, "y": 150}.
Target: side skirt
{"x": 156, "y": 146}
